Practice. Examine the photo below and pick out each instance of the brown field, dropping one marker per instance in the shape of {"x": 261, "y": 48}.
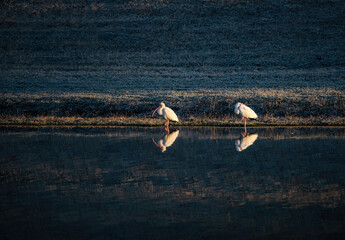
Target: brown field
{"x": 112, "y": 63}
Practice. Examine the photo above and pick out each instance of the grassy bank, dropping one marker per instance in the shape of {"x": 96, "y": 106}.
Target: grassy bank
{"x": 293, "y": 106}
{"x": 146, "y": 121}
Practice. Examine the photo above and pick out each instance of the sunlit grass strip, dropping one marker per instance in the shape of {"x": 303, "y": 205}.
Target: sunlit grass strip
{"x": 195, "y": 121}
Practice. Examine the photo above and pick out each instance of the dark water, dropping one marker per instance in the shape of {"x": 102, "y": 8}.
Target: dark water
{"x": 116, "y": 183}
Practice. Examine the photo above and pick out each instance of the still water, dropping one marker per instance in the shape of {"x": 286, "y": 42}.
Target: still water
{"x": 195, "y": 183}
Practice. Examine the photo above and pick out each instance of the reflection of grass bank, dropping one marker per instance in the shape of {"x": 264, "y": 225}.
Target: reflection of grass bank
{"x": 144, "y": 121}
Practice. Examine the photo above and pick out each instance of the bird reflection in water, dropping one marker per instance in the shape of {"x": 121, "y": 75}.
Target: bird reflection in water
{"x": 167, "y": 140}
{"x": 244, "y": 142}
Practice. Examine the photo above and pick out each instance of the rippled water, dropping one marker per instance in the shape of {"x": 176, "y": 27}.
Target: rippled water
{"x": 195, "y": 183}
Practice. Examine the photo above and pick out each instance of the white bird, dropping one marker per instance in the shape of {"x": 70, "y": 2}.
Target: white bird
{"x": 243, "y": 143}
{"x": 167, "y": 140}
{"x": 245, "y": 112}
{"x": 168, "y": 114}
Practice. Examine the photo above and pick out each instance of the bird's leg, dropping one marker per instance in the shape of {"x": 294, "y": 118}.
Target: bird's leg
{"x": 245, "y": 128}
{"x": 166, "y": 125}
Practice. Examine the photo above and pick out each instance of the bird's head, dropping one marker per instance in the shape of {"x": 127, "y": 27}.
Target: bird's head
{"x": 236, "y": 110}
{"x": 238, "y": 105}
{"x": 162, "y": 105}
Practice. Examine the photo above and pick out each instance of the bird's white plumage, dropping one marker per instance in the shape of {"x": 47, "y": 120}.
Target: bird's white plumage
{"x": 169, "y": 114}
{"x": 243, "y": 143}
{"x": 245, "y": 111}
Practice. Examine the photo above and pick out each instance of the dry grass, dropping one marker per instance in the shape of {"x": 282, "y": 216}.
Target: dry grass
{"x": 132, "y": 121}
{"x": 294, "y": 106}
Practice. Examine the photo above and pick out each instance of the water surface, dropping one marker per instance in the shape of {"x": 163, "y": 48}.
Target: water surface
{"x": 196, "y": 183}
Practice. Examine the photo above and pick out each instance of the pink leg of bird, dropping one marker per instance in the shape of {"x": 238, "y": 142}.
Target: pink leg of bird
{"x": 245, "y": 128}
{"x": 166, "y": 125}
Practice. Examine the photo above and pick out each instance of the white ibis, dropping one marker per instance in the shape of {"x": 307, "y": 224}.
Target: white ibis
{"x": 167, "y": 140}
{"x": 168, "y": 114}
{"x": 244, "y": 142}
{"x": 245, "y": 112}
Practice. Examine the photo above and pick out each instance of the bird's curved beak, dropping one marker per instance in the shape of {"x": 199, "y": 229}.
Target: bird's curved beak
{"x": 156, "y": 110}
